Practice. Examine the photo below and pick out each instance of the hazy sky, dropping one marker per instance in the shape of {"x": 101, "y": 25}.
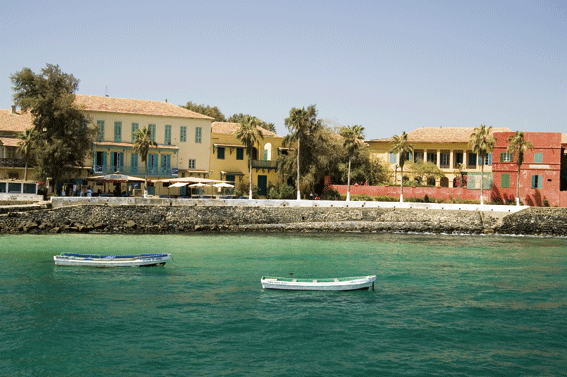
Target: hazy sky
{"x": 390, "y": 66}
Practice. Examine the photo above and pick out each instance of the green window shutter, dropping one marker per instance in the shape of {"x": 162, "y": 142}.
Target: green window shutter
{"x": 538, "y": 157}
{"x": 153, "y": 132}
{"x": 183, "y": 134}
{"x": 393, "y": 158}
{"x": 135, "y": 126}
{"x": 167, "y": 138}
{"x": 240, "y": 153}
{"x": 198, "y": 135}
{"x": 220, "y": 153}
{"x": 117, "y": 132}
{"x": 540, "y": 181}
{"x": 490, "y": 159}
{"x": 100, "y": 124}
{"x": 134, "y": 163}
{"x": 505, "y": 181}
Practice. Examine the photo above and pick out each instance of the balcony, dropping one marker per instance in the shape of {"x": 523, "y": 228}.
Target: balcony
{"x": 263, "y": 164}
{"x": 12, "y": 163}
{"x": 140, "y": 171}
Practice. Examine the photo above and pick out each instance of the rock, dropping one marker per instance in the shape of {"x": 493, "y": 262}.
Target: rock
{"x": 131, "y": 224}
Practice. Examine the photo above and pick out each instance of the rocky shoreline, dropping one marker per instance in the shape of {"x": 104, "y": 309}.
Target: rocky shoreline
{"x": 156, "y": 219}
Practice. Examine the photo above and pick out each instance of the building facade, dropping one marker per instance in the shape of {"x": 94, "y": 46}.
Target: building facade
{"x": 446, "y": 147}
{"x": 229, "y": 158}
{"x": 12, "y": 124}
{"x": 543, "y": 173}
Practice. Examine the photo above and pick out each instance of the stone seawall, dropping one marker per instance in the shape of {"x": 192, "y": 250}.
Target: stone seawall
{"x": 157, "y": 219}
{"x": 152, "y": 219}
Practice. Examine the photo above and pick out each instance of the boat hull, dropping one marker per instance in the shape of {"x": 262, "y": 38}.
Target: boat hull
{"x": 108, "y": 261}
{"x": 339, "y": 284}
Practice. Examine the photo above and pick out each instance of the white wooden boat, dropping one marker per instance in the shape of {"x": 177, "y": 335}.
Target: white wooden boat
{"x": 95, "y": 260}
{"x": 335, "y": 284}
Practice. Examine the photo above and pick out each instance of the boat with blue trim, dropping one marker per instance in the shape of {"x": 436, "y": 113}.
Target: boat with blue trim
{"x": 96, "y": 260}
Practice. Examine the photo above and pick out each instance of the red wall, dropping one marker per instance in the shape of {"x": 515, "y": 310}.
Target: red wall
{"x": 547, "y": 143}
{"x": 445, "y": 193}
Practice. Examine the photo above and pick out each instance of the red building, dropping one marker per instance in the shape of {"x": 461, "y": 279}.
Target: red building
{"x": 543, "y": 173}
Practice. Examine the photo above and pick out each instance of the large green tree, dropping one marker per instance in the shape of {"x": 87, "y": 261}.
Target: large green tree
{"x": 142, "y": 143}
{"x": 249, "y": 134}
{"x": 211, "y": 111}
{"x": 482, "y": 143}
{"x": 62, "y": 137}
{"x": 403, "y": 149}
{"x": 309, "y": 136}
{"x": 352, "y": 142}
{"x": 517, "y": 146}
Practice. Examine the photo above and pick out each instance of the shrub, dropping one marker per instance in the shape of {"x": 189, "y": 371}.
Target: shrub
{"x": 362, "y": 198}
{"x": 330, "y": 194}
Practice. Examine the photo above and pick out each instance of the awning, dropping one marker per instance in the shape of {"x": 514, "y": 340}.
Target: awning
{"x": 180, "y": 184}
{"x": 116, "y": 178}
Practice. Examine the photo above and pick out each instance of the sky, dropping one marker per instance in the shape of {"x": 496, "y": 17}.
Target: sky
{"x": 389, "y": 66}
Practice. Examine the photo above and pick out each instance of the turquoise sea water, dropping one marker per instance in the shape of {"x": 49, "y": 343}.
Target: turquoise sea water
{"x": 443, "y": 305}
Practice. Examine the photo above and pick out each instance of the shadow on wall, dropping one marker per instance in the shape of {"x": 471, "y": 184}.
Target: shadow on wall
{"x": 536, "y": 200}
{"x": 501, "y": 198}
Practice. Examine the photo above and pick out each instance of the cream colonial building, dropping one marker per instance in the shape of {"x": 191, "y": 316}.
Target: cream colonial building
{"x": 229, "y": 159}
{"x": 183, "y": 137}
{"x": 446, "y": 147}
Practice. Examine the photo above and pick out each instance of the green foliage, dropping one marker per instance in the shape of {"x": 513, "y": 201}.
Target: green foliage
{"x": 239, "y": 118}
{"x": 362, "y": 198}
{"x": 61, "y": 137}
{"x": 249, "y": 134}
{"x": 422, "y": 171}
{"x": 211, "y": 111}
{"x": 281, "y": 191}
{"x": 25, "y": 148}
{"x": 330, "y": 194}
{"x": 142, "y": 143}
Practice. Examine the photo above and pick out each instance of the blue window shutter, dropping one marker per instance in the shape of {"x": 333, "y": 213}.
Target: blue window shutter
{"x": 534, "y": 181}
{"x": 540, "y": 181}
{"x": 490, "y": 159}
{"x": 121, "y": 161}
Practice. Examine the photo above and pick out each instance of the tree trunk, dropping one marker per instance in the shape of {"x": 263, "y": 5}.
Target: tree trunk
{"x": 298, "y": 192}
{"x": 482, "y": 183}
{"x": 146, "y": 181}
{"x": 401, "y": 184}
{"x": 518, "y": 187}
{"x": 348, "y": 182}
{"x": 26, "y": 172}
{"x": 250, "y": 165}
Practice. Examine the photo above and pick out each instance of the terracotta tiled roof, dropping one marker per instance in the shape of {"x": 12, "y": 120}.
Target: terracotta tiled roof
{"x": 231, "y": 128}
{"x": 135, "y": 106}
{"x": 18, "y": 122}
{"x": 442, "y": 135}
{"x": 9, "y": 141}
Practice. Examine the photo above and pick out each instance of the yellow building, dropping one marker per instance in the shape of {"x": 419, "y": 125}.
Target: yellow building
{"x": 229, "y": 159}
{"x": 183, "y": 138}
{"x": 446, "y": 147}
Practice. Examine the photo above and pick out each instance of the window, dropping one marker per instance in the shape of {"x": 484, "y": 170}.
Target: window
{"x": 445, "y": 159}
{"x": 393, "y": 158}
{"x": 537, "y": 181}
{"x": 505, "y": 181}
{"x": 418, "y": 156}
{"x": 432, "y": 157}
{"x": 100, "y": 124}
{"x": 134, "y": 163}
{"x": 472, "y": 159}
{"x": 487, "y": 160}
{"x": 153, "y": 132}
{"x": 192, "y": 164}
{"x": 166, "y": 164}
{"x": 167, "y": 137}
{"x": 135, "y": 126}
{"x": 220, "y": 153}
{"x": 506, "y": 157}
{"x": 117, "y": 162}
{"x": 198, "y": 135}
{"x": 183, "y": 134}
{"x": 240, "y": 153}
{"x": 458, "y": 159}
{"x": 117, "y": 132}
{"x": 538, "y": 157}
{"x": 152, "y": 163}
{"x": 230, "y": 177}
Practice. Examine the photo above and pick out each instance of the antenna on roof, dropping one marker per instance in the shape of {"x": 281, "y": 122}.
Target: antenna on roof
{"x": 106, "y": 91}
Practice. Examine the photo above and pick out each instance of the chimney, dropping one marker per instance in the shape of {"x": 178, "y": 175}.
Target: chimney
{"x": 166, "y": 100}
{"x": 13, "y": 109}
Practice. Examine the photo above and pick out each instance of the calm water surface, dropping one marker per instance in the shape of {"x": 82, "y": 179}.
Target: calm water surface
{"x": 443, "y": 305}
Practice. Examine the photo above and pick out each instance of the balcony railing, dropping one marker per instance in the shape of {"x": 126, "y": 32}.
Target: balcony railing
{"x": 13, "y": 163}
{"x": 263, "y": 164}
{"x": 136, "y": 170}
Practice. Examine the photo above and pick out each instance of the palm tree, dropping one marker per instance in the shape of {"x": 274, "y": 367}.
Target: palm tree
{"x": 25, "y": 148}
{"x": 298, "y": 122}
{"x": 352, "y": 141}
{"x": 142, "y": 143}
{"x": 249, "y": 134}
{"x": 517, "y": 145}
{"x": 403, "y": 149}
{"x": 482, "y": 143}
